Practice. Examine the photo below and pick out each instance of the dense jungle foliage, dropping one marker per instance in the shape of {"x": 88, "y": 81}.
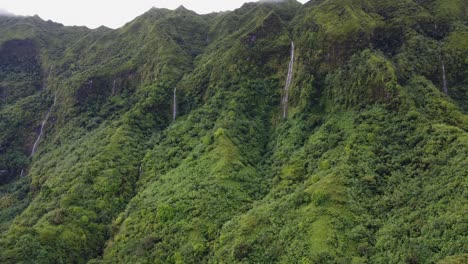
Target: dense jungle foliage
{"x": 370, "y": 165}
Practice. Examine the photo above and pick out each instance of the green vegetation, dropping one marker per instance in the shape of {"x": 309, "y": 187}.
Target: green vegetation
{"x": 370, "y": 166}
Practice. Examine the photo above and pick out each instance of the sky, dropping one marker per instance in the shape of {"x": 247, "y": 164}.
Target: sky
{"x": 110, "y": 13}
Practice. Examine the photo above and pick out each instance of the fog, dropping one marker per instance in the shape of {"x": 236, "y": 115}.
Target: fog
{"x": 4, "y": 12}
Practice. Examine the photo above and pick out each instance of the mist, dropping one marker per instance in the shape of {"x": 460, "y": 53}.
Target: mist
{"x": 6, "y": 13}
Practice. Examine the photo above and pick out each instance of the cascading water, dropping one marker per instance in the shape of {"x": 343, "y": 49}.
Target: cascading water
{"x": 285, "y": 99}
{"x": 444, "y": 80}
{"x": 113, "y": 88}
{"x": 41, "y": 131}
{"x": 174, "y": 107}
{"x": 4, "y": 94}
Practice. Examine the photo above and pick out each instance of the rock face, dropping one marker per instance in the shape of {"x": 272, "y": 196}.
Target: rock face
{"x": 20, "y": 70}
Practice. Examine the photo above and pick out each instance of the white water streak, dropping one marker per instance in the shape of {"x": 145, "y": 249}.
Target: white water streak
{"x": 288, "y": 83}
{"x": 113, "y": 88}
{"x": 174, "y": 107}
{"x": 444, "y": 80}
{"x": 41, "y": 132}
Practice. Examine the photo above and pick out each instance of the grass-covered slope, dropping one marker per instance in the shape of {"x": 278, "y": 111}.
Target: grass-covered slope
{"x": 368, "y": 167}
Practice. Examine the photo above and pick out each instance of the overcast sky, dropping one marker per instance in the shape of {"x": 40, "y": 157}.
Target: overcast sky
{"x": 111, "y": 13}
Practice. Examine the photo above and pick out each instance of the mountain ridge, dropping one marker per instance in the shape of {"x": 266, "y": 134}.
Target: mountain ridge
{"x": 369, "y": 165}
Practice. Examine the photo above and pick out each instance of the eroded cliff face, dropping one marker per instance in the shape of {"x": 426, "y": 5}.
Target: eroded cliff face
{"x": 21, "y": 77}
{"x": 20, "y": 70}
{"x": 166, "y": 140}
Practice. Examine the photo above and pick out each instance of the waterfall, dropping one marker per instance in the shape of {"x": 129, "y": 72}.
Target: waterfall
{"x": 444, "y": 79}
{"x": 36, "y": 143}
{"x": 113, "y": 89}
{"x": 288, "y": 83}
{"x": 50, "y": 72}
{"x": 174, "y": 107}
{"x": 22, "y": 172}
{"x": 4, "y": 94}
{"x": 41, "y": 131}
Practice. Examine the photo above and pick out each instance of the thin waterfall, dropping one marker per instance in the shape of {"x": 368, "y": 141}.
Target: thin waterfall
{"x": 50, "y": 71}
{"x": 22, "y": 172}
{"x": 4, "y": 94}
{"x": 43, "y": 87}
{"x": 41, "y": 131}
{"x": 174, "y": 107}
{"x": 113, "y": 88}
{"x": 285, "y": 99}
{"x": 444, "y": 79}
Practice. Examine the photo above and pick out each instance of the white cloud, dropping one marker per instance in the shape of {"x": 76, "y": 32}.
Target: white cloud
{"x": 111, "y": 13}
{"x": 4, "y": 12}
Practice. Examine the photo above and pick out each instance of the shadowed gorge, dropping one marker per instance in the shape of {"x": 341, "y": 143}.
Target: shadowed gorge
{"x": 187, "y": 138}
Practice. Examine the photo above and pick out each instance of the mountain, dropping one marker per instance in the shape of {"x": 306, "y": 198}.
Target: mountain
{"x": 329, "y": 132}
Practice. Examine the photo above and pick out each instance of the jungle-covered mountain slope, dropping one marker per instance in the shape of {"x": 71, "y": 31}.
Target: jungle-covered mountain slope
{"x": 370, "y": 165}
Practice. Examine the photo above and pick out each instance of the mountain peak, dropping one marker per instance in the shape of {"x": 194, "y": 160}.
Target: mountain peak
{"x": 277, "y": 1}
{"x": 181, "y": 8}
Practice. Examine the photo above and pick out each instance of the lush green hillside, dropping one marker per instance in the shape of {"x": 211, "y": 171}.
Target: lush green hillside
{"x": 163, "y": 141}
